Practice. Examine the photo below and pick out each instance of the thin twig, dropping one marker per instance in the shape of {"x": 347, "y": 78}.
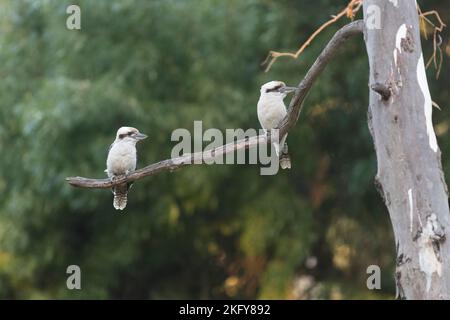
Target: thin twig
{"x": 437, "y": 56}
{"x": 349, "y": 11}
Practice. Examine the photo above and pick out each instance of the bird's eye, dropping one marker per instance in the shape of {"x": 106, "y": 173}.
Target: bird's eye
{"x": 274, "y": 88}
{"x": 121, "y": 136}
{"x": 130, "y": 133}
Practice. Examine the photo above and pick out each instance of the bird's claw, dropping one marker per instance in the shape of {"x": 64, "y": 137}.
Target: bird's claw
{"x": 115, "y": 178}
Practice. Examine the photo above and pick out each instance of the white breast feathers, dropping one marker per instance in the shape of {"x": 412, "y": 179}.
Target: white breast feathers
{"x": 121, "y": 158}
{"x": 270, "y": 112}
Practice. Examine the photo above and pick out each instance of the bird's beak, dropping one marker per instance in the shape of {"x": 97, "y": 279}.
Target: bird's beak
{"x": 140, "y": 136}
{"x": 287, "y": 89}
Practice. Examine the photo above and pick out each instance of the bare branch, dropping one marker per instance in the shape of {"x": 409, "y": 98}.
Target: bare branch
{"x": 295, "y": 107}
{"x": 350, "y": 10}
{"x": 286, "y": 124}
{"x": 437, "y": 56}
{"x": 170, "y": 164}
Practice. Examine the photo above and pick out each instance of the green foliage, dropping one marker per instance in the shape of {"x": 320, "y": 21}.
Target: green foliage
{"x": 200, "y": 232}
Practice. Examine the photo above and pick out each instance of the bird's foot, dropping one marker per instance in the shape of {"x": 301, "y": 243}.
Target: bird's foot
{"x": 114, "y": 178}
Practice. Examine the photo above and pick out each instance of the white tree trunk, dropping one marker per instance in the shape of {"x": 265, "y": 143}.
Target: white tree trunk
{"x": 409, "y": 177}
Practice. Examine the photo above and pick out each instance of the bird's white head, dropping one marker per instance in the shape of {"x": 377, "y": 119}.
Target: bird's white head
{"x": 276, "y": 89}
{"x": 129, "y": 134}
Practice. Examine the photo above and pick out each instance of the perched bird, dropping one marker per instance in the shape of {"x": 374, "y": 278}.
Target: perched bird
{"x": 122, "y": 161}
{"x": 271, "y": 110}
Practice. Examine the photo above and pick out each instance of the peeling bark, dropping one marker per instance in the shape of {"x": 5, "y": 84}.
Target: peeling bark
{"x": 409, "y": 176}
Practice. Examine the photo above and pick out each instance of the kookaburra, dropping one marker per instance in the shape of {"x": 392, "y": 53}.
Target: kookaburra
{"x": 271, "y": 110}
{"x": 122, "y": 161}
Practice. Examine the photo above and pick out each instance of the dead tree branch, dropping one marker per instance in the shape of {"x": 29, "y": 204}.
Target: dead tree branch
{"x": 350, "y": 10}
{"x": 286, "y": 124}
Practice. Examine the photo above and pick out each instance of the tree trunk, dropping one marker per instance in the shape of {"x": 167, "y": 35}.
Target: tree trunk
{"x": 409, "y": 177}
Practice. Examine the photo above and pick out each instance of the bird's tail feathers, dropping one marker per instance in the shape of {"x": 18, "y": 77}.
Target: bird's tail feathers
{"x": 285, "y": 159}
{"x": 120, "y": 197}
{"x": 120, "y": 201}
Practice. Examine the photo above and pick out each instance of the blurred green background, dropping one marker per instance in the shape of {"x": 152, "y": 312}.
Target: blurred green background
{"x": 220, "y": 231}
